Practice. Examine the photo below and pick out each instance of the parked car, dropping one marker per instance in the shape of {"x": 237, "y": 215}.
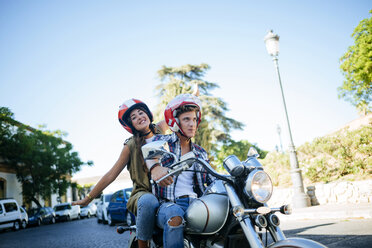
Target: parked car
{"x": 88, "y": 211}
{"x": 102, "y": 208}
{"x": 65, "y": 211}
{"x": 24, "y": 218}
{"x": 117, "y": 211}
{"x": 10, "y": 214}
{"x": 43, "y": 215}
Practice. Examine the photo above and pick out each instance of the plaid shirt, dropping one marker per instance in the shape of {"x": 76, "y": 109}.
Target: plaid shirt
{"x": 200, "y": 180}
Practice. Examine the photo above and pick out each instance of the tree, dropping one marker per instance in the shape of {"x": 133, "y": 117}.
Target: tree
{"x": 357, "y": 68}
{"x": 215, "y": 126}
{"x": 43, "y": 161}
{"x": 83, "y": 190}
{"x": 237, "y": 148}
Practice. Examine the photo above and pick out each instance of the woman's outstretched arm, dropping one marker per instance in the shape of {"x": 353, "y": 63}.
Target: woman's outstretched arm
{"x": 108, "y": 178}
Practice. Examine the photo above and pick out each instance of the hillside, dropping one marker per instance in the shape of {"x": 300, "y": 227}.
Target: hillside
{"x": 345, "y": 154}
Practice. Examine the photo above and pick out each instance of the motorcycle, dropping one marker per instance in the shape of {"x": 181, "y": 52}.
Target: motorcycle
{"x": 232, "y": 211}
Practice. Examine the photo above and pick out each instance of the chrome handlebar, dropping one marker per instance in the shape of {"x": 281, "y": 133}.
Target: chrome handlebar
{"x": 183, "y": 165}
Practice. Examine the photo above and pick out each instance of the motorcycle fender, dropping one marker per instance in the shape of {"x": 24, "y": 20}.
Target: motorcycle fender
{"x": 132, "y": 239}
{"x": 298, "y": 243}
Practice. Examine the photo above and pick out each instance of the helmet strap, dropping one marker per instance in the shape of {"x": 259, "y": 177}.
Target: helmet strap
{"x": 187, "y": 138}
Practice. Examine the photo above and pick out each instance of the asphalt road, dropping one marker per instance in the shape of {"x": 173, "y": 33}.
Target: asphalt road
{"x": 86, "y": 233}
{"x": 351, "y": 233}
{"x": 77, "y": 233}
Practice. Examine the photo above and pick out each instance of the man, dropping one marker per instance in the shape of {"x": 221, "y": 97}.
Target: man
{"x": 183, "y": 116}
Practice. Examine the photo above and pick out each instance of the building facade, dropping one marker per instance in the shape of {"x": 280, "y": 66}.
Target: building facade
{"x": 10, "y": 187}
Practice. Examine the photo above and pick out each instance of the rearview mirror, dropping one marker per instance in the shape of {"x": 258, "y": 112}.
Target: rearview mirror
{"x": 253, "y": 153}
{"x": 156, "y": 149}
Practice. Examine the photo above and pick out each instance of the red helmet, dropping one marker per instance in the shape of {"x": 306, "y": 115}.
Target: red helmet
{"x": 127, "y": 107}
{"x": 170, "y": 112}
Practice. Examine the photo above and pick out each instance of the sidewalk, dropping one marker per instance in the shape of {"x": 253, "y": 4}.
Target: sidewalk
{"x": 331, "y": 211}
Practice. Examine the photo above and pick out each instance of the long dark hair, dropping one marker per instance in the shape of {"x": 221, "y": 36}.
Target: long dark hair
{"x": 140, "y": 138}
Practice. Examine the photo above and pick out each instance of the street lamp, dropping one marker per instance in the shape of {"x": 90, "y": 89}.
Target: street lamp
{"x": 300, "y": 199}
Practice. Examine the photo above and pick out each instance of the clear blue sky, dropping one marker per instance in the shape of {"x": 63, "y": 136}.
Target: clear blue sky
{"x": 70, "y": 64}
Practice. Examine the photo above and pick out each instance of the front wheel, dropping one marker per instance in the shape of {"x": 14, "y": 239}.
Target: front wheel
{"x": 16, "y": 225}
{"x": 109, "y": 220}
{"x": 24, "y": 224}
{"x": 104, "y": 221}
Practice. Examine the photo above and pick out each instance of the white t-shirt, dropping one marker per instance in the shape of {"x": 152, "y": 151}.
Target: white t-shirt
{"x": 184, "y": 184}
{"x": 150, "y": 139}
{"x": 184, "y": 181}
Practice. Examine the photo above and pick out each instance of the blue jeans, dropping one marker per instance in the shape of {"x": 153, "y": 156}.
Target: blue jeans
{"x": 147, "y": 206}
{"x": 172, "y": 235}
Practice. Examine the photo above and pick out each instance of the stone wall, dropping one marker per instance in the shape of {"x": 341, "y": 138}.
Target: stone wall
{"x": 335, "y": 192}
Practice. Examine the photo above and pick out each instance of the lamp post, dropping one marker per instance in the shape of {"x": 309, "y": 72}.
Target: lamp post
{"x": 300, "y": 199}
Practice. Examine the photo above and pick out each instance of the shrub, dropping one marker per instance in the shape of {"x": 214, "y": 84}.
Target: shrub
{"x": 343, "y": 155}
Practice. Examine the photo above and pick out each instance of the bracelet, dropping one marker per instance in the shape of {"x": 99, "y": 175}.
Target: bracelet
{"x": 155, "y": 165}
{"x": 90, "y": 198}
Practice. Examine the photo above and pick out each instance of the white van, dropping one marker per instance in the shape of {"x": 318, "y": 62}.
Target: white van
{"x": 65, "y": 211}
{"x": 102, "y": 208}
{"x": 10, "y": 214}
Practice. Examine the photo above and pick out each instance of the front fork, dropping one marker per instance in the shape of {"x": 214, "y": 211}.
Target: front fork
{"x": 246, "y": 224}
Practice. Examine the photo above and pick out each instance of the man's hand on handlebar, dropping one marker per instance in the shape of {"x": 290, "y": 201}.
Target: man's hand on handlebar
{"x": 158, "y": 172}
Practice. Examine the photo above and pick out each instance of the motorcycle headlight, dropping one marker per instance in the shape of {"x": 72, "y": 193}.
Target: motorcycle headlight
{"x": 258, "y": 186}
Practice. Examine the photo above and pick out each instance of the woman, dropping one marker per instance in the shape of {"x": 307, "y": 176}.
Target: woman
{"x": 136, "y": 118}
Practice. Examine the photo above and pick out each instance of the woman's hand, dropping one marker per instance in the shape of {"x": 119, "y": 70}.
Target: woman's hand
{"x": 158, "y": 172}
{"x": 84, "y": 202}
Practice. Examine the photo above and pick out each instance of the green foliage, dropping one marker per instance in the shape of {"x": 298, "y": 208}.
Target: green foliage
{"x": 215, "y": 126}
{"x": 5, "y": 112}
{"x": 42, "y": 160}
{"x": 344, "y": 155}
{"x": 277, "y": 165}
{"x": 237, "y": 148}
{"x": 357, "y": 68}
{"x": 83, "y": 189}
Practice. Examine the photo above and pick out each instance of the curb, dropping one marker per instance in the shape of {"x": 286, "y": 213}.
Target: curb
{"x": 331, "y": 211}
